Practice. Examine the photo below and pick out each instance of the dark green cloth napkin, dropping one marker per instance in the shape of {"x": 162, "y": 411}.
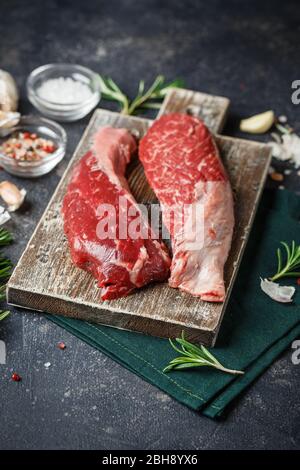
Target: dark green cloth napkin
{"x": 255, "y": 329}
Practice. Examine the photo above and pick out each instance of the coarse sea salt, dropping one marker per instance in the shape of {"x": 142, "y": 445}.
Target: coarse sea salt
{"x": 64, "y": 91}
{"x": 287, "y": 149}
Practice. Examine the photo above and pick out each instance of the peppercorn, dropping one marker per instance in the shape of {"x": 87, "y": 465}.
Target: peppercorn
{"x": 276, "y": 176}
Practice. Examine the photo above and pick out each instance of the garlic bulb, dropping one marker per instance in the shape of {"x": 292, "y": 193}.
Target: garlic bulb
{"x": 9, "y": 95}
{"x": 12, "y": 195}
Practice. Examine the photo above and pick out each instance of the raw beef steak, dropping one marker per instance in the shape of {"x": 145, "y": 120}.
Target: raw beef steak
{"x": 120, "y": 264}
{"x": 183, "y": 166}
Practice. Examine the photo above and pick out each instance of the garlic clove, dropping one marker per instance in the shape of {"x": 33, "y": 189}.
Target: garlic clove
{"x": 4, "y": 215}
{"x": 9, "y": 95}
{"x": 8, "y": 119}
{"x": 276, "y": 292}
{"x": 258, "y": 124}
{"x": 12, "y": 195}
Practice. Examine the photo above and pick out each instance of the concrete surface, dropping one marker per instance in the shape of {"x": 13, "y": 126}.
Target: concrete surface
{"x": 247, "y": 51}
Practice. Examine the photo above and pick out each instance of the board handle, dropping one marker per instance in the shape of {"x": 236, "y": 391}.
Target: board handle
{"x": 211, "y": 109}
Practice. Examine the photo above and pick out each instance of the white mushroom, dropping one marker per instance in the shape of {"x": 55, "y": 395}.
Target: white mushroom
{"x": 9, "y": 95}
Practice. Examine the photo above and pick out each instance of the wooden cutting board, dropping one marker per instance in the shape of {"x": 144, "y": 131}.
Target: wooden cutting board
{"x": 46, "y": 280}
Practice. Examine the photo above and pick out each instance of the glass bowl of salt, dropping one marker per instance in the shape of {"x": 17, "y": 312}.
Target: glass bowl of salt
{"x": 65, "y": 92}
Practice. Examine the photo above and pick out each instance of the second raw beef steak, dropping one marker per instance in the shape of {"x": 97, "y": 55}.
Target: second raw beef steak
{"x": 183, "y": 166}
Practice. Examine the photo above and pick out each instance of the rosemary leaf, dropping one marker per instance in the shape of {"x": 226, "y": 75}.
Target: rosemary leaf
{"x": 4, "y": 314}
{"x": 114, "y": 86}
{"x": 192, "y": 356}
{"x": 5, "y": 272}
{"x": 187, "y": 365}
{"x": 2, "y": 292}
{"x": 110, "y": 91}
{"x": 141, "y": 87}
{"x": 279, "y": 258}
{"x": 152, "y": 105}
{"x": 290, "y": 267}
{"x": 5, "y": 237}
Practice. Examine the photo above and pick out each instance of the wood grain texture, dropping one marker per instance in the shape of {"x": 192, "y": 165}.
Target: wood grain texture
{"x": 211, "y": 109}
{"x": 46, "y": 280}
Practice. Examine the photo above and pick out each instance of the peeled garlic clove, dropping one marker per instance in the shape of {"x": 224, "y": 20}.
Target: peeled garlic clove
{"x": 276, "y": 292}
{"x": 258, "y": 124}
{"x": 8, "y": 119}
{"x": 12, "y": 195}
{"x": 9, "y": 95}
{"x": 4, "y": 215}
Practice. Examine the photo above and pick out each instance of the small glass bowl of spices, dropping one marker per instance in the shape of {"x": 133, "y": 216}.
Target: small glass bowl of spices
{"x": 33, "y": 147}
{"x": 65, "y": 92}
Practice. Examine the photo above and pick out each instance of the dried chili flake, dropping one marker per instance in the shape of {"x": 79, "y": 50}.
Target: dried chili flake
{"x": 49, "y": 148}
{"x": 16, "y": 377}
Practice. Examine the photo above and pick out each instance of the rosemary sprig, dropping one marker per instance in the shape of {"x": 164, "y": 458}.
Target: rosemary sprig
{"x": 194, "y": 356}
{"x": 145, "y": 99}
{"x": 5, "y": 268}
{"x": 157, "y": 91}
{"x": 289, "y": 266}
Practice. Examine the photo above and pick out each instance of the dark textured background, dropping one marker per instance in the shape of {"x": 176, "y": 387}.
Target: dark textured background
{"x": 247, "y": 51}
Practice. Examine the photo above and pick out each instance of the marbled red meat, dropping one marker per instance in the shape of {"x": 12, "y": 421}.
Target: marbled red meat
{"x": 119, "y": 264}
{"x": 183, "y": 166}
